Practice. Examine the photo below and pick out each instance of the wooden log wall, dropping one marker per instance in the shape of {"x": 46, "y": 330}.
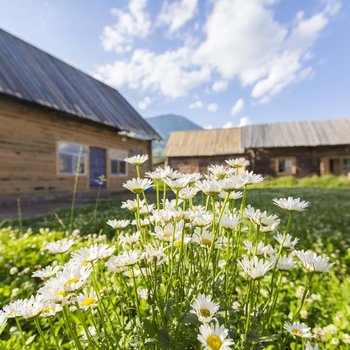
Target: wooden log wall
{"x": 28, "y": 149}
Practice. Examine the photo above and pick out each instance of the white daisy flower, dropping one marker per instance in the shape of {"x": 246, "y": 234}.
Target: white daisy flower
{"x": 308, "y": 346}
{"x": 137, "y": 160}
{"x": 219, "y": 171}
{"x": 201, "y": 220}
{"x": 46, "y": 272}
{"x": 232, "y": 183}
{"x": 230, "y": 221}
{"x": 255, "y": 268}
{"x": 214, "y": 337}
{"x": 59, "y": 247}
{"x": 143, "y": 293}
{"x": 156, "y": 255}
{"x": 131, "y": 205}
{"x": 177, "y": 184}
{"x": 233, "y": 195}
{"x": 205, "y": 239}
{"x": 118, "y": 224}
{"x": 87, "y": 300}
{"x": 73, "y": 276}
{"x": 289, "y": 241}
{"x": 204, "y": 308}
{"x": 313, "y": 262}
{"x": 251, "y": 178}
{"x": 138, "y": 185}
{"x": 188, "y": 192}
{"x": 50, "y": 308}
{"x": 298, "y": 329}
{"x": 129, "y": 240}
{"x": 122, "y": 262}
{"x": 285, "y": 263}
{"x": 291, "y": 204}
{"x": 14, "y": 309}
{"x": 32, "y": 307}
{"x": 3, "y": 319}
{"x": 209, "y": 187}
{"x": 266, "y": 222}
{"x": 159, "y": 173}
{"x": 261, "y": 249}
{"x": 237, "y": 163}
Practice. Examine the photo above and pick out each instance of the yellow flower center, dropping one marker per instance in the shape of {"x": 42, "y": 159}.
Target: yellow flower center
{"x": 87, "y": 256}
{"x": 167, "y": 235}
{"x": 204, "y": 312}
{"x": 12, "y": 314}
{"x": 61, "y": 293}
{"x": 48, "y": 310}
{"x": 297, "y": 332}
{"x": 72, "y": 281}
{"x": 206, "y": 242}
{"x": 88, "y": 301}
{"x": 177, "y": 242}
{"x": 214, "y": 342}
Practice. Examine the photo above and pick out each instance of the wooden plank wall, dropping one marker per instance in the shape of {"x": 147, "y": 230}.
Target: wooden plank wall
{"x": 307, "y": 159}
{"x": 28, "y": 141}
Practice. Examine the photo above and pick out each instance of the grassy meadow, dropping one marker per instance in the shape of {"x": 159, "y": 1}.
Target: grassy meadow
{"x": 324, "y": 228}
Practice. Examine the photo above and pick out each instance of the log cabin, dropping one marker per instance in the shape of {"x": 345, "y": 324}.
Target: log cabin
{"x": 300, "y": 149}
{"x": 54, "y": 117}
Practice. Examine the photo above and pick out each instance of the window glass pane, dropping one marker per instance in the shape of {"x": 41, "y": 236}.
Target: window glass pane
{"x": 68, "y": 157}
{"x": 285, "y": 165}
{"x": 114, "y": 167}
{"x": 65, "y": 163}
{"x": 347, "y": 165}
{"x": 122, "y": 167}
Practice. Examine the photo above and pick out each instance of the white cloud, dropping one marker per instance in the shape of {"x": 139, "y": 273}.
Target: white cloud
{"x": 220, "y": 85}
{"x": 143, "y": 104}
{"x": 227, "y": 125}
{"x": 237, "y": 107}
{"x": 243, "y": 40}
{"x": 171, "y": 73}
{"x": 263, "y": 52}
{"x": 213, "y": 107}
{"x": 134, "y": 23}
{"x": 196, "y": 104}
{"x": 244, "y": 121}
{"x": 177, "y": 14}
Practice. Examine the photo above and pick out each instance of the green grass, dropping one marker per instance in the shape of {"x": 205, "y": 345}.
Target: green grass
{"x": 324, "y": 227}
{"x": 328, "y": 181}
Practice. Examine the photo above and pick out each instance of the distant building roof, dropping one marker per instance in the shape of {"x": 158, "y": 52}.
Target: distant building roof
{"x": 204, "y": 143}
{"x": 35, "y": 76}
{"x": 293, "y": 134}
{"x": 236, "y": 140}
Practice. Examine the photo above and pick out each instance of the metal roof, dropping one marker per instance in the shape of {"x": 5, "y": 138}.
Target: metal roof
{"x": 237, "y": 140}
{"x": 204, "y": 143}
{"x": 294, "y": 134}
{"x": 33, "y": 75}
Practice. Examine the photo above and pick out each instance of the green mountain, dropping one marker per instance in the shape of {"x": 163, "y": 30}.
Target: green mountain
{"x": 165, "y": 125}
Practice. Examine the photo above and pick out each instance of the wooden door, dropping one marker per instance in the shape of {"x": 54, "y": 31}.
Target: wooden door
{"x": 97, "y": 166}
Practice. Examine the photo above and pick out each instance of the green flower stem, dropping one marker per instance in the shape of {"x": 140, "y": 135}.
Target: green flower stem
{"x": 307, "y": 289}
{"x": 86, "y": 329}
{"x": 71, "y": 329}
{"x": 54, "y": 334}
{"x": 42, "y": 336}
{"x": 164, "y": 194}
{"x": 21, "y": 333}
{"x": 157, "y": 192}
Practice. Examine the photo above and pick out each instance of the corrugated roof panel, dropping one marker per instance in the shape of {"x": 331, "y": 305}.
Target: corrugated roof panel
{"x": 31, "y": 74}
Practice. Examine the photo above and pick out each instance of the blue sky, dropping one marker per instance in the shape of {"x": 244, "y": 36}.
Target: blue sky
{"x": 220, "y": 63}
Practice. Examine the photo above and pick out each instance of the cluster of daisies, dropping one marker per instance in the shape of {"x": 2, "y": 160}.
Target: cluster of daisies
{"x": 201, "y": 233}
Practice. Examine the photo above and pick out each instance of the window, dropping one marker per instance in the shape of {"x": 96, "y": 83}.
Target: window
{"x": 347, "y": 166}
{"x": 285, "y": 166}
{"x": 68, "y": 156}
{"x": 118, "y": 165}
